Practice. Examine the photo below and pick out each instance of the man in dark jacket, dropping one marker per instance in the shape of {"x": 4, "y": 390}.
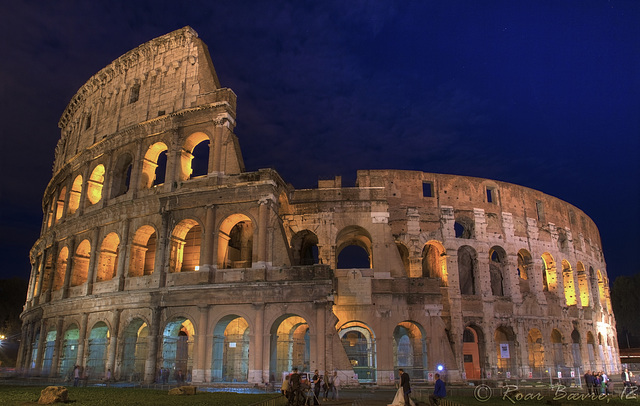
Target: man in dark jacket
{"x": 439, "y": 392}
{"x": 588, "y": 380}
{"x": 406, "y": 386}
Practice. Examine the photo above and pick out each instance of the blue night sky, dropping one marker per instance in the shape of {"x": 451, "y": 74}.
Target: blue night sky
{"x": 544, "y": 94}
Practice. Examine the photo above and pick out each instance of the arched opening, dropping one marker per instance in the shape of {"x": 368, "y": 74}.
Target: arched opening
{"x": 536, "y": 353}
{"x": 304, "y": 246}
{"x": 60, "y": 203}
{"x": 556, "y": 344}
{"x": 185, "y": 246}
{"x": 569, "y": 287}
{"x": 35, "y": 349}
{"x": 354, "y": 248}
{"x": 463, "y": 227}
{"x": 121, "y": 175}
{"x": 135, "y": 350}
{"x": 404, "y": 257}
{"x": 231, "y": 338}
{"x": 61, "y": 269}
{"x": 74, "y": 195}
{"x": 98, "y": 348}
{"x": 359, "y": 343}
{"x": 81, "y": 263}
{"x": 194, "y": 158}
{"x": 108, "y": 261}
{"x": 548, "y": 272}
{"x": 434, "y": 262}
{"x": 154, "y": 165}
{"x": 602, "y": 291}
{"x": 497, "y": 269}
{"x": 69, "y": 351}
{"x": 50, "y": 344}
{"x": 143, "y": 252}
{"x": 290, "y": 345}
{"x": 525, "y": 262}
{"x": 575, "y": 349}
{"x": 235, "y": 242}
{"x": 591, "y": 350}
{"x": 471, "y": 345}
{"x": 506, "y": 351}
{"x": 177, "y": 346}
{"x": 95, "y": 185}
{"x": 467, "y": 269}
{"x": 410, "y": 349}
{"x": 583, "y": 285}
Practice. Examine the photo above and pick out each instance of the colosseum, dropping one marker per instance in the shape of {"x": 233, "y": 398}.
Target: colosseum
{"x": 158, "y": 250}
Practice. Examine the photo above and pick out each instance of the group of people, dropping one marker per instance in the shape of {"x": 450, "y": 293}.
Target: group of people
{"x": 164, "y": 373}
{"x": 598, "y": 383}
{"x": 403, "y": 397}
{"x": 300, "y": 391}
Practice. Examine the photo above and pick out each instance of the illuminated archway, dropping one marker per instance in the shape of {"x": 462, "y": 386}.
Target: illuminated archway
{"x": 187, "y": 156}
{"x": 568, "y": 282}
{"x": 98, "y": 348}
{"x": 69, "y": 352}
{"x": 548, "y": 272}
{"x": 50, "y": 344}
{"x": 410, "y": 349}
{"x": 506, "y": 351}
{"x": 403, "y": 251}
{"x": 354, "y": 248}
{"x": 143, "y": 252}
{"x": 60, "y": 203}
{"x": 535, "y": 347}
{"x": 434, "y": 262}
{"x": 359, "y": 343}
{"x": 583, "y": 285}
{"x": 304, "y": 246}
{"x": 230, "y": 361}
{"x": 602, "y": 291}
{"x": 154, "y": 165}
{"x": 61, "y": 268}
{"x": 185, "y": 246}
{"x": 108, "y": 260}
{"x": 177, "y": 346}
{"x": 235, "y": 242}
{"x": 135, "y": 350}
{"x": 472, "y": 343}
{"x": 95, "y": 185}
{"x": 74, "y": 196}
{"x": 81, "y": 263}
{"x": 290, "y": 345}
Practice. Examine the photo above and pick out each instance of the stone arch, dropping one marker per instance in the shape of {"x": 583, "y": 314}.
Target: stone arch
{"x": 403, "y": 251}
{"x": 575, "y": 349}
{"x": 525, "y": 264}
{"x": 98, "y": 347}
{"x": 434, "y": 261}
{"x": 506, "y": 351}
{"x": 591, "y": 350}
{"x": 186, "y": 241}
{"x": 235, "y": 242}
{"x": 548, "y": 272}
{"x": 154, "y": 165}
{"x": 473, "y": 345}
{"x": 304, "y": 246}
{"x": 464, "y": 227}
{"x": 143, "y": 251}
{"x": 80, "y": 269}
{"x": 74, "y": 195}
{"x": 410, "y": 349}
{"x": 563, "y": 241}
{"x": 497, "y": 271}
{"x": 62, "y": 263}
{"x": 230, "y": 360}
{"x": 467, "y": 269}
{"x": 187, "y": 156}
{"x": 568, "y": 282}
{"x": 135, "y": 350}
{"x": 121, "y": 175}
{"x": 583, "y": 285}
{"x": 60, "y": 203}
{"x": 601, "y": 290}
{"x": 108, "y": 258}
{"x": 290, "y": 345}
{"x": 556, "y": 344}
{"x": 349, "y": 257}
{"x": 359, "y": 342}
{"x": 95, "y": 185}
{"x": 177, "y": 346}
{"x": 69, "y": 353}
{"x": 49, "y": 346}
{"x": 535, "y": 347}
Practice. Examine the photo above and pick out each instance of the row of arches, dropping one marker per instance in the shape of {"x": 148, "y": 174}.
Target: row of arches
{"x": 157, "y": 165}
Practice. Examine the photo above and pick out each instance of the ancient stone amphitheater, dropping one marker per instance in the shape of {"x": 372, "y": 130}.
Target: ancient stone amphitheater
{"x": 158, "y": 250}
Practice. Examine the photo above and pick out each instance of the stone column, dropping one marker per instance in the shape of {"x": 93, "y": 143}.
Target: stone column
{"x": 82, "y": 340}
{"x": 123, "y": 256}
{"x": 71, "y": 244}
{"x": 57, "y": 349}
{"x": 200, "y": 361}
{"x": 217, "y": 150}
{"x": 113, "y": 341}
{"x": 256, "y": 375}
{"x": 24, "y": 345}
{"x": 511, "y": 270}
{"x": 160, "y": 267}
{"x": 263, "y": 221}
{"x": 29, "y": 347}
{"x": 152, "y": 354}
{"x": 209, "y": 231}
{"x": 41, "y": 345}
{"x": 91, "y": 274}
{"x": 320, "y": 336}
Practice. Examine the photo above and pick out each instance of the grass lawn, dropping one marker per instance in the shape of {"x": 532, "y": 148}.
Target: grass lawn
{"x": 28, "y": 395}
{"x": 564, "y": 401}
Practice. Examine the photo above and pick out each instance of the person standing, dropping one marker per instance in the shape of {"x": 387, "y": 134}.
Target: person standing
{"x": 76, "y": 375}
{"x": 626, "y": 377}
{"x": 405, "y": 384}
{"x": 335, "y": 386}
{"x": 294, "y": 387}
{"x": 317, "y": 379}
{"x": 439, "y": 391}
{"x": 588, "y": 381}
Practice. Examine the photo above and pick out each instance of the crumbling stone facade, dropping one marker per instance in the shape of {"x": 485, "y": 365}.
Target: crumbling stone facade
{"x": 147, "y": 261}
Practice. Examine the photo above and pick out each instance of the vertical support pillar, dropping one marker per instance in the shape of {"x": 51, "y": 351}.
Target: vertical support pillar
{"x": 256, "y": 375}
{"x": 201, "y": 345}
{"x": 23, "y": 347}
{"x": 209, "y": 231}
{"x": 71, "y": 244}
{"x": 217, "y": 150}
{"x": 321, "y": 344}
{"x": 82, "y": 340}
{"x": 41, "y": 345}
{"x": 263, "y": 221}
{"x": 91, "y": 274}
{"x": 122, "y": 258}
{"x": 113, "y": 340}
{"x": 29, "y": 348}
{"x": 57, "y": 349}
{"x": 152, "y": 355}
{"x": 160, "y": 267}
